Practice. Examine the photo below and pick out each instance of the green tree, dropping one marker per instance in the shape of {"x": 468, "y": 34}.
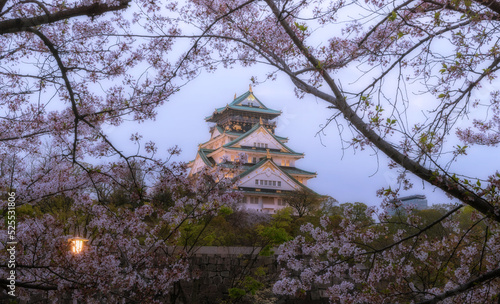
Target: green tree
{"x": 303, "y": 201}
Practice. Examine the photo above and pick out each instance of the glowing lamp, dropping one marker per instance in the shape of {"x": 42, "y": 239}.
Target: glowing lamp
{"x": 77, "y": 244}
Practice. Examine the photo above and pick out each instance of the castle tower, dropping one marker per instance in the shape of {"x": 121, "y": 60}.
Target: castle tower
{"x": 247, "y": 126}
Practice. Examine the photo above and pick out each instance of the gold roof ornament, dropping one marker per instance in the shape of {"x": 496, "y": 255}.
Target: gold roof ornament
{"x": 234, "y": 96}
{"x": 268, "y": 155}
{"x": 250, "y": 88}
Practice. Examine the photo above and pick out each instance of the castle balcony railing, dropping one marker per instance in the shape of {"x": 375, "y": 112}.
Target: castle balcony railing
{"x": 253, "y": 120}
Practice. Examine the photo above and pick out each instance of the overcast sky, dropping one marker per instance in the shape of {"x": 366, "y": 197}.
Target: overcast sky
{"x": 348, "y": 176}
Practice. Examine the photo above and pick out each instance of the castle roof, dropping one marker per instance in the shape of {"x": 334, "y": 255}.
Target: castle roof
{"x": 246, "y": 125}
{"x": 247, "y": 103}
{"x": 254, "y": 129}
{"x": 209, "y": 161}
{"x": 269, "y": 161}
{"x": 261, "y": 150}
{"x": 280, "y": 138}
{"x": 297, "y": 171}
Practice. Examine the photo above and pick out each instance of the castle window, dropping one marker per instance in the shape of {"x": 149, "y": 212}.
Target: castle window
{"x": 270, "y": 183}
{"x": 260, "y": 145}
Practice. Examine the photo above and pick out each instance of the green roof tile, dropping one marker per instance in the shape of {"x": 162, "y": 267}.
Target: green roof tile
{"x": 296, "y": 171}
{"x": 253, "y": 129}
{"x": 207, "y": 160}
{"x": 264, "y": 151}
{"x": 244, "y": 96}
{"x": 262, "y": 162}
{"x": 246, "y": 109}
{"x": 235, "y": 105}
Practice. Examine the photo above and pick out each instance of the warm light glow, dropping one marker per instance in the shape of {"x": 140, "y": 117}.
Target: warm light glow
{"x": 77, "y": 244}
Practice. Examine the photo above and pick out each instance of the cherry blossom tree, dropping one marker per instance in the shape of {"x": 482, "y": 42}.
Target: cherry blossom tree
{"x": 379, "y": 64}
{"x": 70, "y": 69}
{"x": 132, "y": 252}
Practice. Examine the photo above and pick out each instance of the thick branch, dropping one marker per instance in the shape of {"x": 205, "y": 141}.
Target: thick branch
{"x": 464, "y": 287}
{"x": 69, "y": 87}
{"x": 34, "y": 134}
{"x": 491, "y": 4}
{"x": 445, "y": 183}
{"x": 2, "y": 4}
{"x": 21, "y": 24}
{"x": 4, "y": 283}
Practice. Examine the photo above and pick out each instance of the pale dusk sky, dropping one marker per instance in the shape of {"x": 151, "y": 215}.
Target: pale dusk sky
{"x": 348, "y": 176}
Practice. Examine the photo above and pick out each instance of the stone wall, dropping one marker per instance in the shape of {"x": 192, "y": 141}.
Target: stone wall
{"x": 220, "y": 268}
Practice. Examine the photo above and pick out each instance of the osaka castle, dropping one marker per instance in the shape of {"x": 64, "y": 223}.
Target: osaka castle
{"x": 247, "y": 126}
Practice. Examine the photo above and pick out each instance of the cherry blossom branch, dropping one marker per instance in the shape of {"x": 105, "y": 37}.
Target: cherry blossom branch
{"x": 410, "y": 50}
{"x": 34, "y": 134}
{"x": 443, "y": 115}
{"x": 464, "y": 287}
{"x": 457, "y": 246}
{"x": 41, "y": 5}
{"x": 5, "y": 283}
{"x": 374, "y": 28}
{"x": 491, "y": 4}
{"x": 64, "y": 75}
{"x": 21, "y": 24}
{"x": 338, "y": 100}
{"x": 416, "y": 234}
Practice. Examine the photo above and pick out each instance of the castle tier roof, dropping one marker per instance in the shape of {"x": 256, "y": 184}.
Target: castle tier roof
{"x": 255, "y": 128}
{"x": 280, "y": 138}
{"x": 209, "y": 161}
{"x": 264, "y": 161}
{"x": 261, "y": 150}
{"x": 289, "y": 170}
{"x": 297, "y": 171}
{"x": 246, "y": 125}
{"x": 243, "y": 103}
